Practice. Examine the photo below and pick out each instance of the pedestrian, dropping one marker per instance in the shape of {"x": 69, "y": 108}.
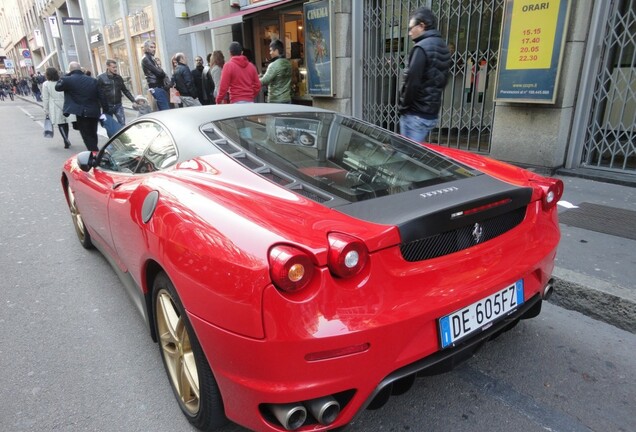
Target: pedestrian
{"x": 81, "y": 98}
{"x": 142, "y": 106}
{"x": 111, "y": 86}
{"x": 216, "y": 61}
{"x": 155, "y": 76}
{"x": 173, "y": 88}
{"x": 424, "y": 77}
{"x": 278, "y": 76}
{"x": 167, "y": 81}
{"x": 184, "y": 83}
{"x": 239, "y": 78}
{"x": 202, "y": 81}
{"x": 53, "y": 104}
{"x": 35, "y": 88}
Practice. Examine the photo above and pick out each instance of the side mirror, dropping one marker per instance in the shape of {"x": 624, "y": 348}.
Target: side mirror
{"x": 86, "y": 160}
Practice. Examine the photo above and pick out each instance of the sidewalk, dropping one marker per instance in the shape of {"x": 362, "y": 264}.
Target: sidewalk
{"x": 595, "y": 269}
{"x": 596, "y": 261}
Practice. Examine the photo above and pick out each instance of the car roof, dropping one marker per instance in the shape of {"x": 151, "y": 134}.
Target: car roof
{"x": 184, "y": 124}
{"x": 192, "y": 118}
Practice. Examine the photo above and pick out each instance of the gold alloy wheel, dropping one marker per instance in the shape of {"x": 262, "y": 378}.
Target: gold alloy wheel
{"x": 78, "y": 222}
{"x": 177, "y": 352}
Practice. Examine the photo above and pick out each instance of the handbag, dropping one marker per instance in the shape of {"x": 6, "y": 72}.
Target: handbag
{"x": 48, "y": 127}
{"x": 175, "y": 96}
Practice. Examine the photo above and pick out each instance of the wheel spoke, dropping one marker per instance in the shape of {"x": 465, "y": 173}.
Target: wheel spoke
{"x": 177, "y": 351}
{"x": 169, "y": 318}
{"x": 75, "y": 214}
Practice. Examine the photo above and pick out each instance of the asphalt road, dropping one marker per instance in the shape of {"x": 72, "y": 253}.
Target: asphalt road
{"x": 76, "y": 356}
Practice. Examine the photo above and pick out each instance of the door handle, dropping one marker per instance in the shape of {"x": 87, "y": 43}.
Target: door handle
{"x": 116, "y": 185}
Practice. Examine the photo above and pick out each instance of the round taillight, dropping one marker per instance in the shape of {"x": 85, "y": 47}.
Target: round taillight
{"x": 347, "y": 255}
{"x": 290, "y": 268}
{"x": 552, "y": 193}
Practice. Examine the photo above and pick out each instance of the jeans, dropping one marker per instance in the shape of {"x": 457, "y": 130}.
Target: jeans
{"x": 415, "y": 127}
{"x": 161, "y": 97}
{"x": 118, "y": 113}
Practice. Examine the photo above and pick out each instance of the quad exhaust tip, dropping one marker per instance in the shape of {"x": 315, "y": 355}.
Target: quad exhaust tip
{"x": 324, "y": 409}
{"x": 293, "y": 415}
{"x": 548, "y": 290}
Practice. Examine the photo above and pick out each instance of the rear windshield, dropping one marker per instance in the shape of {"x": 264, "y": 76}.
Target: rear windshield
{"x": 340, "y": 155}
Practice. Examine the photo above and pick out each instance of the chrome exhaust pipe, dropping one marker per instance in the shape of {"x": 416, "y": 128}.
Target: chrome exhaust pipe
{"x": 291, "y": 416}
{"x": 324, "y": 409}
{"x": 548, "y": 290}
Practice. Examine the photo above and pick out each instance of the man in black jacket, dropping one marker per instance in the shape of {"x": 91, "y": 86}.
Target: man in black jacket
{"x": 202, "y": 81}
{"x": 155, "y": 76}
{"x": 82, "y": 99}
{"x": 110, "y": 86}
{"x": 184, "y": 83}
{"x": 424, "y": 77}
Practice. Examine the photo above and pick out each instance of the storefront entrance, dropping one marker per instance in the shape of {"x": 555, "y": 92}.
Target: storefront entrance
{"x": 287, "y": 26}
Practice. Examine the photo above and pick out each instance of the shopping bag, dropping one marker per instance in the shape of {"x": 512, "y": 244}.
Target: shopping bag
{"x": 175, "y": 97}
{"x": 189, "y": 101}
{"x": 111, "y": 125}
{"x": 48, "y": 128}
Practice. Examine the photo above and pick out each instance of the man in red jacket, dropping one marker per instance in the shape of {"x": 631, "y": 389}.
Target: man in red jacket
{"x": 239, "y": 77}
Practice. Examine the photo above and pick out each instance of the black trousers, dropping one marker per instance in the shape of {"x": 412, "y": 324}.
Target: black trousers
{"x": 88, "y": 130}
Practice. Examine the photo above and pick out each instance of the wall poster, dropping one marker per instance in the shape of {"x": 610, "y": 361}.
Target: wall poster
{"x": 318, "y": 50}
{"x": 531, "y": 50}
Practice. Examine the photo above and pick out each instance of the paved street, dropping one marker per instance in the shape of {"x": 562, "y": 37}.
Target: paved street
{"x": 76, "y": 356}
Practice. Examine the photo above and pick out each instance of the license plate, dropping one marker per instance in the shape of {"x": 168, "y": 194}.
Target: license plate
{"x": 479, "y": 315}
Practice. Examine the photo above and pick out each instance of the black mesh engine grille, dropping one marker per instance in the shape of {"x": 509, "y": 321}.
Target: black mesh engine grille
{"x": 462, "y": 238}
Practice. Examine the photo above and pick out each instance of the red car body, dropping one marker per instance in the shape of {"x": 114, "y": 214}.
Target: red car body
{"x": 352, "y": 339}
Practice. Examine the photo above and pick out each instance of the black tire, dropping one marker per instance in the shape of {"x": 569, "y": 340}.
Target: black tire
{"x": 187, "y": 368}
{"x": 80, "y": 229}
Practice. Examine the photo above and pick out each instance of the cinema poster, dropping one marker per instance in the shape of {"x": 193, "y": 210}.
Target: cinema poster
{"x": 318, "y": 49}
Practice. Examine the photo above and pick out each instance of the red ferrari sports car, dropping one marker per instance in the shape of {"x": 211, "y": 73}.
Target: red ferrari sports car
{"x": 296, "y": 265}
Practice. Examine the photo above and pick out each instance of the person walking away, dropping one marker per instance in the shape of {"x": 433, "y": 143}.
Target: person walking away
{"x": 216, "y": 61}
{"x": 425, "y": 77}
{"x": 142, "y": 106}
{"x": 111, "y": 86}
{"x": 202, "y": 82}
{"x": 155, "y": 76}
{"x": 81, "y": 98}
{"x": 184, "y": 83}
{"x": 207, "y": 80}
{"x": 53, "y": 104}
{"x": 35, "y": 88}
{"x": 278, "y": 76}
{"x": 239, "y": 78}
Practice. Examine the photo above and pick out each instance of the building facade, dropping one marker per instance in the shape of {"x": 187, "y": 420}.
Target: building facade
{"x": 360, "y": 48}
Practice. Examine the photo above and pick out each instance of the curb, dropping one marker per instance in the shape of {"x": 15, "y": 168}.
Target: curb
{"x": 598, "y": 299}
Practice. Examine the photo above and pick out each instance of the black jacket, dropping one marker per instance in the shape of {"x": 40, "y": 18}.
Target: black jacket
{"x": 110, "y": 88}
{"x": 155, "y": 76}
{"x": 80, "y": 94}
{"x": 203, "y": 83}
{"x": 183, "y": 81}
{"x": 425, "y": 76}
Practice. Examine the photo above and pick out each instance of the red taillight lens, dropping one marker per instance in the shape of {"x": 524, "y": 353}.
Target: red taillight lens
{"x": 552, "y": 192}
{"x": 290, "y": 268}
{"x": 347, "y": 255}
